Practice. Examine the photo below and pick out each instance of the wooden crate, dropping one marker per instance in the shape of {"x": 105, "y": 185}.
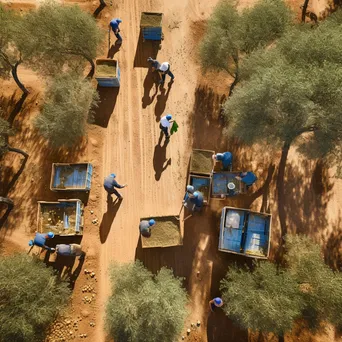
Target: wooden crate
{"x": 200, "y": 183}
{"x": 63, "y": 218}
{"x": 195, "y": 167}
{"x": 112, "y": 80}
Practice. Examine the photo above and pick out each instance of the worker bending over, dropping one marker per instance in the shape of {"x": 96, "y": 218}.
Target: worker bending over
{"x": 145, "y": 227}
{"x": 70, "y": 250}
{"x": 226, "y": 158}
{"x": 40, "y": 240}
{"x": 110, "y": 185}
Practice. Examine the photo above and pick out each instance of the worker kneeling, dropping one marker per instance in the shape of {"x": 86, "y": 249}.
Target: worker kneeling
{"x": 145, "y": 227}
{"x": 193, "y": 202}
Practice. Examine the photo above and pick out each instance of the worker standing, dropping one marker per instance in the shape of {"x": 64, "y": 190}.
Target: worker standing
{"x": 40, "y": 240}
{"x": 165, "y": 124}
{"x": 226, "y": 158}
{"x": 145, "y": 227}
{"x": 164, "y": 70}
{"x": 215, "y": 303}
{"x": 114, "y": 25}
{"x": 110, "y": 185}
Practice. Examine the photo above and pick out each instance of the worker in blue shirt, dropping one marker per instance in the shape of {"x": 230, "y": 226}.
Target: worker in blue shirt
{"x": 194, "y": 201}
{"x": 114, "y": 24}
{"x": 145, "y": 227}
{"x": 110, "y": 184}
{"x": 40, "y": 239}
{"x": 189, "y": 193}
{"x": 249, "y": 178}
{"x": 226, "y": 158}
{"x": 215, "y": 303}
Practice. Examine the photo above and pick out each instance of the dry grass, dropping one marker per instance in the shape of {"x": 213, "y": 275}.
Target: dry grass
{"x": 201, "y": 161}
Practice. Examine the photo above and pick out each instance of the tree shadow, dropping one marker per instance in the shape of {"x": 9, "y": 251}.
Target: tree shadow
{"x": 103, "y": 112}
{"x": 98, "y": 10}
{"x": 161, "y": 101}
{"x": 108, "y": 217}
{"x": 159, "y": 158}
{"x": 333, "y": 245}
{"x": 33, "y": 185}
{"x": 150, "y": 80}
{"x": 145, "y": 49}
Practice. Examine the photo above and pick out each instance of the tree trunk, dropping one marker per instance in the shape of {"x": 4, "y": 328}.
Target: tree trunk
{"x": 92, "y": 70}
{"x": 280, "y": 188}
{"x": 232, "y": 86}
{"x": 304, "y": 8}
{"x": 22, "y": 166}
{"x": 10, "y": 206}
{"x": 100, "y": 8}
{"x": 16, "y": 78}
{"x": 281, "y": 338}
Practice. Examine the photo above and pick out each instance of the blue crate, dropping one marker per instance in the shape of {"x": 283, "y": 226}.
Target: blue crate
{"x": 71, "y": 177}
{"x": 109, "y": 81}
{"x": 152, "y": 33}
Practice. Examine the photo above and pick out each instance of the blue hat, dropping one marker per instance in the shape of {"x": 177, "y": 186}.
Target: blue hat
{"x": 151, "y": 222}
{"x": 113, "y": 175}
{"x": 190, "y": 188}
{"x": 31, "y": 243}
{"x": 218, "y": 301}
{"x": 196, "y": 194}
{"x": 50, "y": 235}
{"x": 168, "y": 117}
{"x": 119, "y": 20}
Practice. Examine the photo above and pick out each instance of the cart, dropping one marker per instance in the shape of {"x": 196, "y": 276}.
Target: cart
{"x": 151, "y": 26}
{"x": 225, "y": 184}
{"x": 63, "y": 218}
{"x": 245, "y": 232}
{"x": 71, "y": 177}
{"x": 107, "y": 72}
{"x": 165, "y": 233}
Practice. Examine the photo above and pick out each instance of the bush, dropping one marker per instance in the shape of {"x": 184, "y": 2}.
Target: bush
{"x": 144, "y": 307}
{"x": 68, "y": 106}
{"x": 30, "y": 298}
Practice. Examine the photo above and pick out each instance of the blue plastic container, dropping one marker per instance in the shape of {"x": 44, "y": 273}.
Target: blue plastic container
{"x": 108, "y": 81}
{"x": 151, "y": 25}
{"x": 71, "y": 177}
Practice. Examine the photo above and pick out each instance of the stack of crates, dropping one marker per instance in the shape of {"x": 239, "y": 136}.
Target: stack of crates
{"x": 151, "y": 25}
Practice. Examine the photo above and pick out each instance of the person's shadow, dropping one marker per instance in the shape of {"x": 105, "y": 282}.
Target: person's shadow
{"x": 149, "y": 81}
{"x": 159, "y": 158}
{"x": 161, "y": 102}
{"x": 108, "y": 217}
{"x": 114, "y": 48}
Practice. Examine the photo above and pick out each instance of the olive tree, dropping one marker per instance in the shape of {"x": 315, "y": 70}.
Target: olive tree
{"x": 267, "y": 299}
{"x": 68, "y": 106}
{"x": 60, "y": 37}
{"x": 30, "y": 298}
{"x": 231, "y": 34}
{"x": 322, "y": 288}
{"x": 145, "y": 307}
{"x": 291, "y": 94}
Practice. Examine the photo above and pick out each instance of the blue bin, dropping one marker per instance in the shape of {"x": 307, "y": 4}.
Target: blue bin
{"x": 151, "y": 25}
{"x": 108, "y": 81}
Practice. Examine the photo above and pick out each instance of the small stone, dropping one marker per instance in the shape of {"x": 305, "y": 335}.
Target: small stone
{"x": 70, "y": 332}
{"x": 183, "y": 337}
{"x": 188, "y": 331}
{"x": 198, "y": 323}
{"x": 85, "y": 313}
{"x": 91, "y": 211}
{"x": 92, "y": 274}
{"x": 84, "y": 335}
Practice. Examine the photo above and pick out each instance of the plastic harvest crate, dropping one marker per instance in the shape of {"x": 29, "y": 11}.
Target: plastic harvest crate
{"x": 108, "y": 81}
{"x": 152, "y": 32}
{"x": 71, "y": 177}
{"x": 64, "y": 218}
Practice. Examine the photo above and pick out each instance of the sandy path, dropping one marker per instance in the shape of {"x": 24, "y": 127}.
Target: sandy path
{"x": 133, "y": 132}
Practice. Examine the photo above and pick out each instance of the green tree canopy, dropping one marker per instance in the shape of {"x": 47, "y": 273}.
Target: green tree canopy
{"x": 267, "y": 299}
{"x": 30, "y": 298}
{"x": 322, "y": 292}
{"x": 60, "y": 36}
{"x": 144, "y": 307}
{"x": 68, "y": 106}
{"x": 231, "y": 34}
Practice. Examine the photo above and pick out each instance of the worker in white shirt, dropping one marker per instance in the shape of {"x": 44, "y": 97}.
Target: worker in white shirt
{"x": 164, "y": 69}
{"x": 165, "y": 124}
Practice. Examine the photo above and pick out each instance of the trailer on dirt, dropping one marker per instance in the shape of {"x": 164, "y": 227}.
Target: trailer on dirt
{"x": 71, "y": 177}
{"x": 151, "y": 24}
{"x": 107, "y": 72}
{"x": 165, "y": 233}
{"x": 245, "y": 232}
{"x": 63, "y": 218}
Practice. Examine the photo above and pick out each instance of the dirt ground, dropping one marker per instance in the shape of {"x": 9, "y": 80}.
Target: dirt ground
{"x": 125, "y": 139}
